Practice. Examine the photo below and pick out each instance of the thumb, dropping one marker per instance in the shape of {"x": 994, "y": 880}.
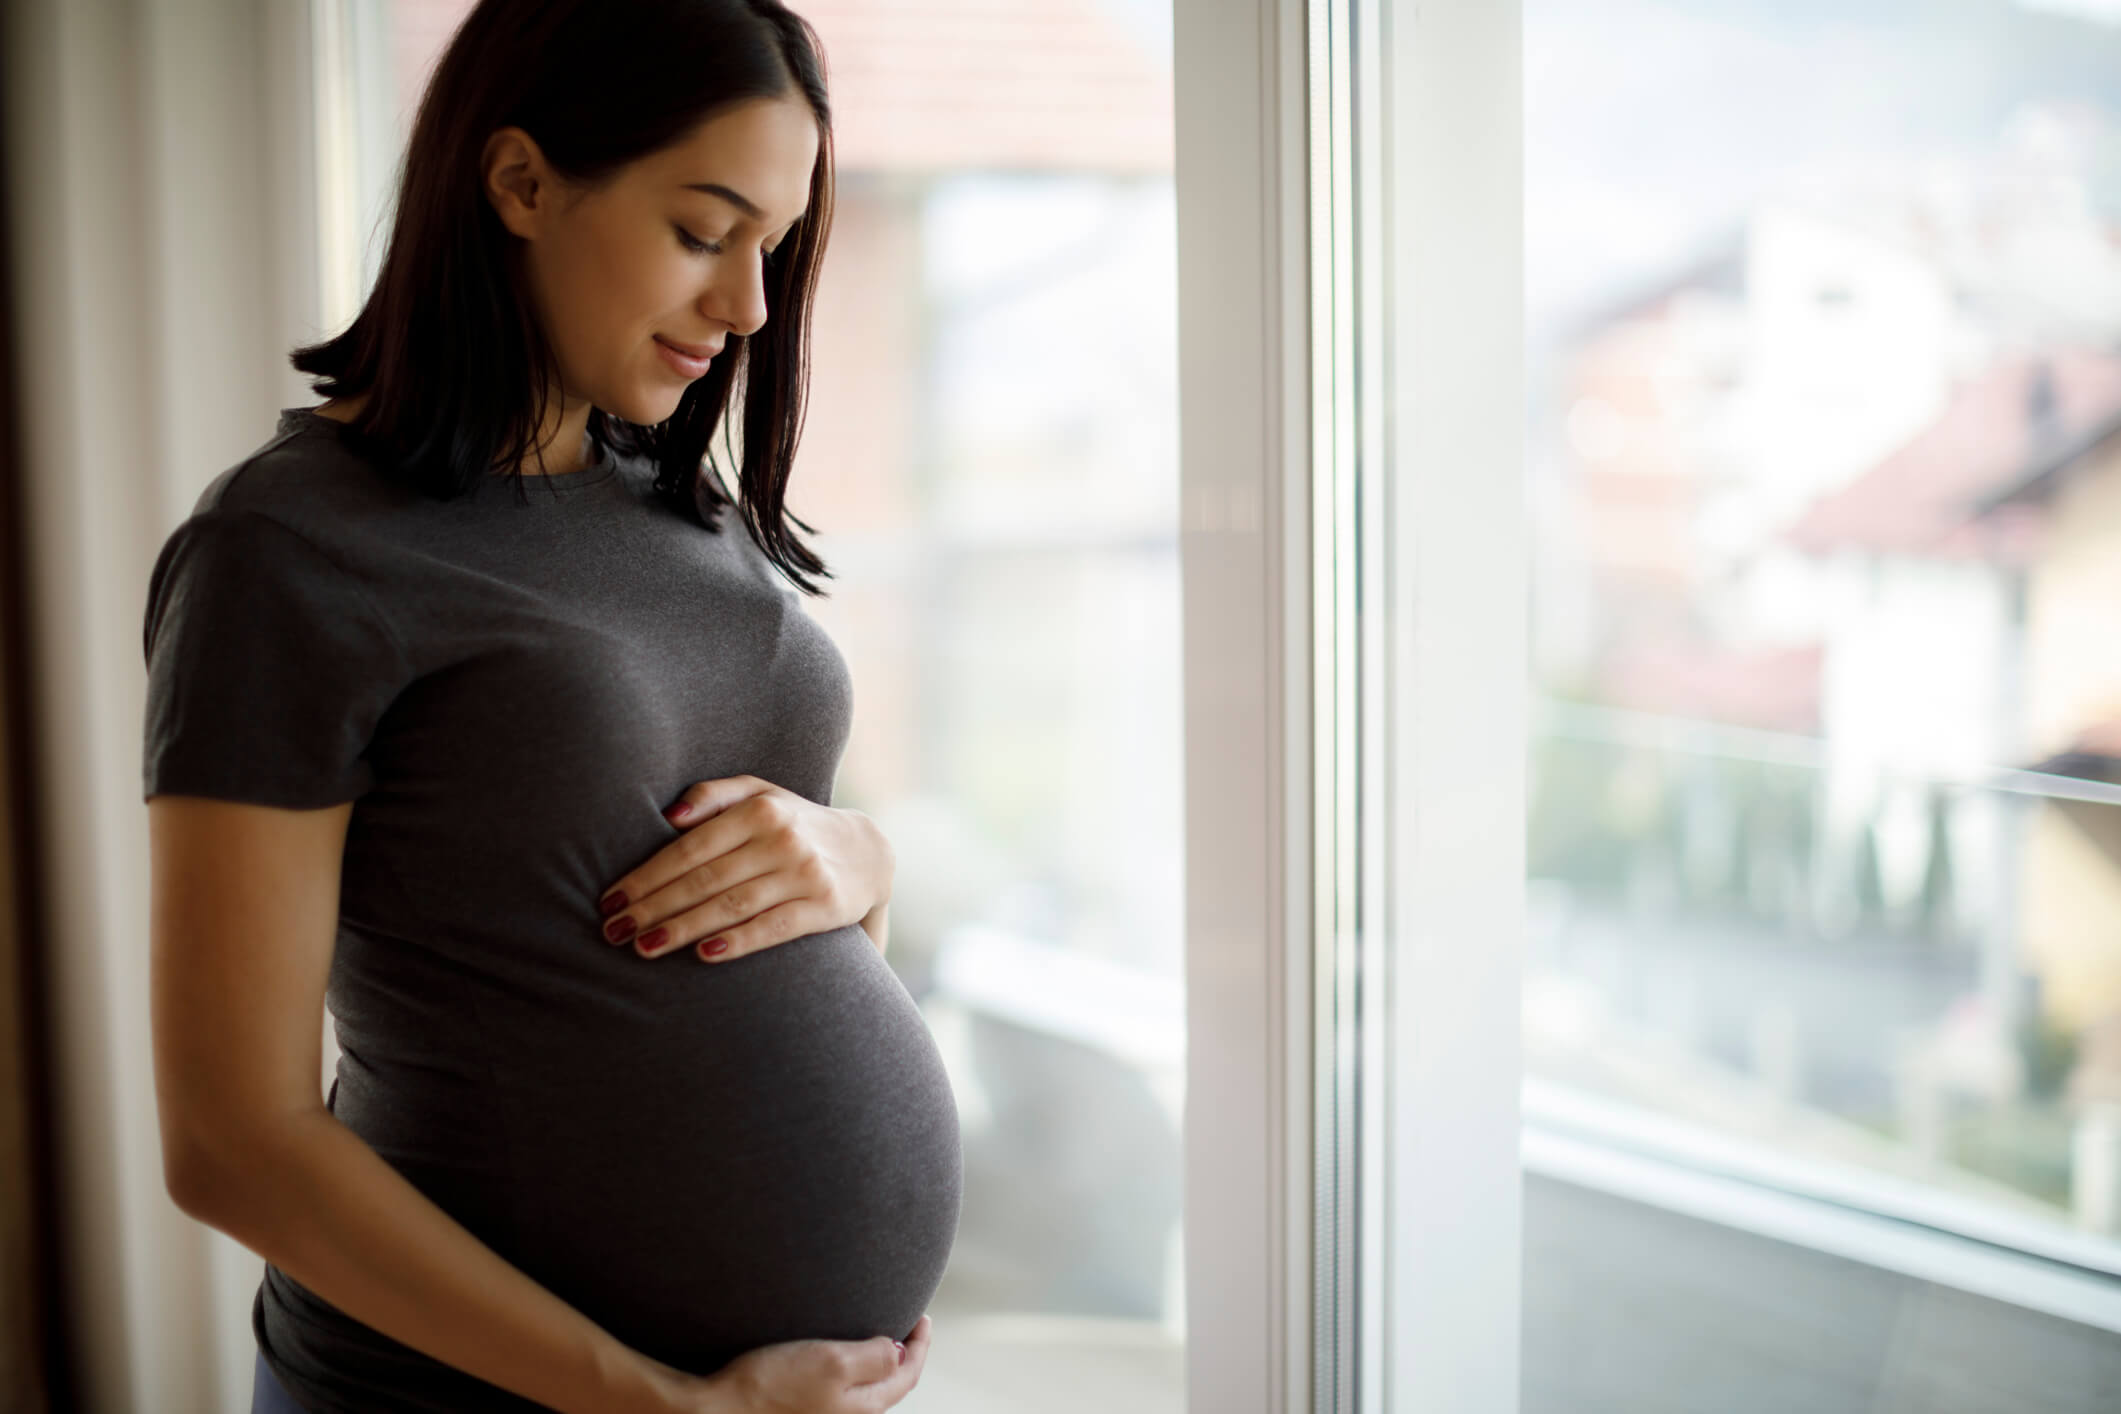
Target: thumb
{"x": 873, "y": 1360}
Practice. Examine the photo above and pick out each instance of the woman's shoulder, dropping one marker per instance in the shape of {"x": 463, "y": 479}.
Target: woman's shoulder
{"x": 308, "y": 480}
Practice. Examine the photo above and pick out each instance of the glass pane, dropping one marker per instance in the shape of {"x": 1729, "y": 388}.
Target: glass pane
{"x": 990, "y": 455}
{"x": 1824, "y": 321}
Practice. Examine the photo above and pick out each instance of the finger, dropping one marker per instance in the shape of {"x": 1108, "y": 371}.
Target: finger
{"x": 677, "y": 878}
{"x": 922, "y": 1337}
{"x": 796, "y": 918}
{"x": 895, "y": 1386}
{"x": 691, "y": 850}
{"x": 740, "y": 905}
{"x": 723, "y": 891}
{"x": 704, "y": 799}
{"x": 869, "y": 1361}
{"x": 911, "y": 1353}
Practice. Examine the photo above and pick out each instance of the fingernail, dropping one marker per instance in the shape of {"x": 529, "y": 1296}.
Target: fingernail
{"x": 619, "y": 929}
{"x": 650, "y": 941}
{"x": 613, "y": 902}
{"x": 715, "y": 945}
{"x": 678, "y": 811}
{"x": 901, "y": 1350}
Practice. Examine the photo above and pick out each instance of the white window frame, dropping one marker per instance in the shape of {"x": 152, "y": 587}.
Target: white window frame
{"x": 1244, "y": 437}
{"x": 1452, "y": 213}
{"x": 1433, "y": 420}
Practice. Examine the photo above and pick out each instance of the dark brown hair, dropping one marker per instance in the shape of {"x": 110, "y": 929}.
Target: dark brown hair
{"x": 447, "y": 344}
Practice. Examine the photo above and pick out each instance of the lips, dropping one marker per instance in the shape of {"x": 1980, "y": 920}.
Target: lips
{"x": 691, "y": 350}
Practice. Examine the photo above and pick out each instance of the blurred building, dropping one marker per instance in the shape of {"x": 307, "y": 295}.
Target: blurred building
{"x": 1824, "y": 547}
{"x": 2071, "y": 914}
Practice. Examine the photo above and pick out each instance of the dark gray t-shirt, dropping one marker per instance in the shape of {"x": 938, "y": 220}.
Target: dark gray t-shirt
{"x": 703, "y": 1158}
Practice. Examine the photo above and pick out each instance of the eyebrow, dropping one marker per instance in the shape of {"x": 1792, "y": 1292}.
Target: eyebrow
{"x": 734, "y": 198}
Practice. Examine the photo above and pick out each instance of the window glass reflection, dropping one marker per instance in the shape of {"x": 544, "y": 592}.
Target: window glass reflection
{"x": 1825, "y": 323}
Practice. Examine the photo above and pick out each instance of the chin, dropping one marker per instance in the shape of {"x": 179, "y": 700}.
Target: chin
{"x": 646, "y": 408}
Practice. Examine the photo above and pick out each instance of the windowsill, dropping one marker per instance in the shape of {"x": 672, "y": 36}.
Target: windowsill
{"x": 1931, "y": 1238}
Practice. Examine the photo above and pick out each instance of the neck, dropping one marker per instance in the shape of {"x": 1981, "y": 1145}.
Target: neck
{"x": 565, "y": 447}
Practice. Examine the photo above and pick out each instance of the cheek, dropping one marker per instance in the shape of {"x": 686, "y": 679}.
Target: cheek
{"x": 663, "y": 280}
{"x": 648, "y": 286}
{"x": 576, "y": 281}
{"x": 624, "y": 291}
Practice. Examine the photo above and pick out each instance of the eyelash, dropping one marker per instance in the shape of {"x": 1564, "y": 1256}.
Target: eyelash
{"x": 700, "y": 247}
{"x": 697, "y": 247}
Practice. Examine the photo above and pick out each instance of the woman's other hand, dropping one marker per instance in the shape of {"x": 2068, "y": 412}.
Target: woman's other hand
{"x": 806, "y": 1377}
{"x": 756, "y": 865}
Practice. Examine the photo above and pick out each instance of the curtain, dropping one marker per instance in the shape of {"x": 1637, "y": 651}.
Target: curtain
{"x": 160, "y": 222}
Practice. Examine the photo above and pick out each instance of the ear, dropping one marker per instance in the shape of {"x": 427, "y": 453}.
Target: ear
{"x": 516, "y": 180}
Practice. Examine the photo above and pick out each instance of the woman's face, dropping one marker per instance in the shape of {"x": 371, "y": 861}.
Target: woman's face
{"x": 664, "y": 257}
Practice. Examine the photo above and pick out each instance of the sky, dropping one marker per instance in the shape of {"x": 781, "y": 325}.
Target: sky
{"x": 2103, "y": 11}
{"x": 1652, "y": 125}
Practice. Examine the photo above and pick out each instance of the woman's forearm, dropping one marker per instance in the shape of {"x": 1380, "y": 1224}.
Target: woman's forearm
{"x": 319, "y": 1203}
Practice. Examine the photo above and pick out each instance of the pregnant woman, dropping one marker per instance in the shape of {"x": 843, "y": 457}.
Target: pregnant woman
{"x": 481, "y": 710}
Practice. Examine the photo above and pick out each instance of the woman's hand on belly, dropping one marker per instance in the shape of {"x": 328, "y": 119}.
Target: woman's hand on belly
{"x": 762, "y": 866}
{"x": 803, "y": 1377}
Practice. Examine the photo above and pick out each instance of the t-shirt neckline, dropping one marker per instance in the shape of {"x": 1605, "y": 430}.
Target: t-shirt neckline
{"x": 600, "y": 470}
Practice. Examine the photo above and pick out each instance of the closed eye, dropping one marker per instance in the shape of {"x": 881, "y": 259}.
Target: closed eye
{"x": 697, "y": 247}
{"x": 700, "y": 247}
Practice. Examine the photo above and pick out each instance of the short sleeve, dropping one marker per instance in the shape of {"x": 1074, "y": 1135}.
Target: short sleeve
{"x": 268, "y": 668}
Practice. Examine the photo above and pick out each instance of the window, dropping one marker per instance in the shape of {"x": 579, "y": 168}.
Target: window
{"x": 1824, "y": 859}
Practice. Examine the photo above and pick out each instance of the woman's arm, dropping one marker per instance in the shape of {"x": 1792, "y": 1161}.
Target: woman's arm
{"x": 877, "y": 923}
{"x": 244, "y": 917}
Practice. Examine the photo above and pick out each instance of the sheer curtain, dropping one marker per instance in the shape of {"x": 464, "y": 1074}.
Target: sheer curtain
{"x": 158, "y": 198}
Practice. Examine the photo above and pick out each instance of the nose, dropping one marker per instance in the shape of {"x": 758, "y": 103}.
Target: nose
{"x": 736, "y": 296}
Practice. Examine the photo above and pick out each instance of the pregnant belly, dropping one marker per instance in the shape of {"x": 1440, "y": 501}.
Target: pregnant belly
{"x": 704, "y": 1159}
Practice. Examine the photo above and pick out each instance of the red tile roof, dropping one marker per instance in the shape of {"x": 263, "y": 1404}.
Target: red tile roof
{"x": 943, "y": 85}
{"x": 1927, "y": 498}
{"x": 2103, "y": 739}
{"x": 2093, "y": 753}
{"x": 1775, "y": 689}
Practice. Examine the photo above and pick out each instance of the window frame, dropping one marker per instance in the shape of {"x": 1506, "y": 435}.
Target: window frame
{"x": 1296, "y": 877}
{"x": 1449, "y": 181}
{"x": 1240, "y": 139}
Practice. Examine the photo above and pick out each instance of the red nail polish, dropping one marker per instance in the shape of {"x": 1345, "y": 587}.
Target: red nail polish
{"x": 677, "y": 812}
{"x": 650, "y": 941}
{"x": 613, "y": 902}
{"x": 619, "y": 929}
{"x": 715, "y": 945}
